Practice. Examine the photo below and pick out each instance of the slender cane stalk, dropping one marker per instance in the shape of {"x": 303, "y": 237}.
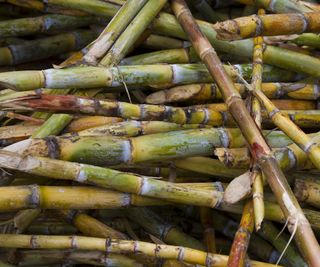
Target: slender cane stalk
{"x": 117, "y": 246}
{"x": 298, "y": 224}
{"x": 237, "y": 256}
{"x": 155, "y": 225}
{"x": 92, "y": 53}
{"x": 208, "y": 231}
{"x": 131, "y": 34}
{"x": 257, "y": 184}
{"x": 279, "y": 24}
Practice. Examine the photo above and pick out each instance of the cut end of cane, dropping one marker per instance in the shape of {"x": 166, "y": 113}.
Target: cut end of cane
{"x": 238, "y": 189}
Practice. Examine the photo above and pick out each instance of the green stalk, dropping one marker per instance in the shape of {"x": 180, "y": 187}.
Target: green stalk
{"x": 131, "y": 34}
{"x": 309, "y": 39}
{"x": 270, "y": 233}
{"x": 43, "y": 24}
{"x": 44, "y": 48}
{"x": 95, "y": 77}
{"x": 110, "y": 151}
{"x": 155, "y": 225}
{"x": 92, "y": 53}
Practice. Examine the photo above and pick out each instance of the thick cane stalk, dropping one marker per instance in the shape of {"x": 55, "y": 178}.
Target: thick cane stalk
{"x": 97, "y": 77}
{"x": 279, "y": 24}
{"x": 298, "y": 224}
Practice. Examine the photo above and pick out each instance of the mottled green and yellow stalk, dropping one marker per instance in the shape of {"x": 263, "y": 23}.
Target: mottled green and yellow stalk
{"x": 121, "y": 181}
{"x": 187, "y": 255}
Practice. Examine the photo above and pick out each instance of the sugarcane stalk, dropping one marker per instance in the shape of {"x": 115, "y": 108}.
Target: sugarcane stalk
{"x": 135, "y": 128}
{"x": 117, "y": 246}
{"x": 257, "y": 179}
{"x": 87, "y": 122}
{"x": 111, "y": 151}
{"x": 277, "y": 24}
{"x": 309, "y": 39}
{"x": 298, "y": 223}
{"x": 50, "y": 228}
{"x": 208, "y": 230}
{"x": 159, "y": 42}
{"x": 155, "y": 225}
{"x": 88, "y": 225}
{"x": 273, "y": 212}
{"x": 131, "y": 34}
{"x": 258, "y": 247}
{"x": 211, "y": 114}
{"x": 206, "y": 165}
{"x": 112, "y": 179}
{"x": 270, "y": 233}
{"x": 64, "y": 197}
{"x": 290, "y": 157}
{"x": 202, "y": 92}
{"x": 306, "y": 190}
{"x": 36, "y": 5}
{"x": 237, "y": 256}
{"x": 82, "y": 77}
{"x": 42, "y": 24}
{"x": 50, "y": 257}
{"x": 278, "y": 6}
{"x": 44, "y": 47}
{"x": 92, "y": 53}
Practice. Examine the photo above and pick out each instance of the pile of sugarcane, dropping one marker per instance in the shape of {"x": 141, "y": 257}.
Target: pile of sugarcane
{"x": 159, "y": 133}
